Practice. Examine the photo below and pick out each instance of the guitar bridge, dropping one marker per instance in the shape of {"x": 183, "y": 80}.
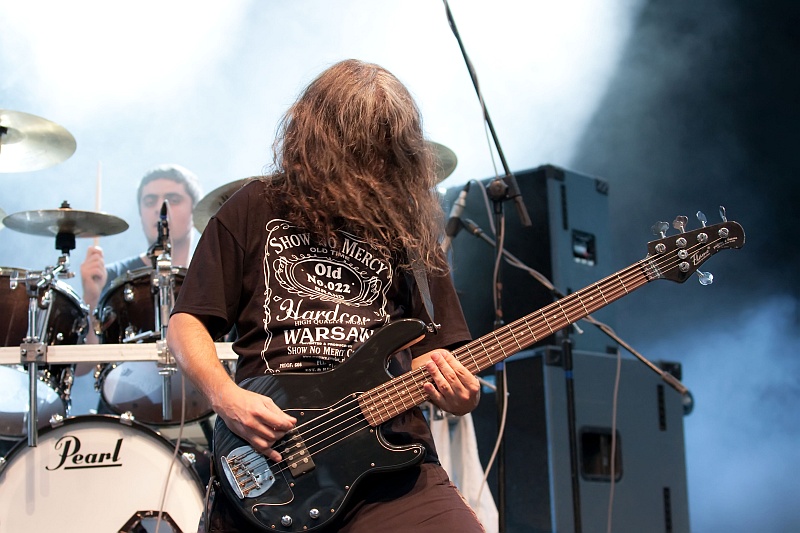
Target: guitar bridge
{"x": 248, "y": 472}
{"x": 297, "y": 457}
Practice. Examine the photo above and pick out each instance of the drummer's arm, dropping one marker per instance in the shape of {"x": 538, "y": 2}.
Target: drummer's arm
{"x": 252, "y": 416}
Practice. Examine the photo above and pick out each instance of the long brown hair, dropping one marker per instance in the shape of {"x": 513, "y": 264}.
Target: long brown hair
{"x": 350, "y": 154}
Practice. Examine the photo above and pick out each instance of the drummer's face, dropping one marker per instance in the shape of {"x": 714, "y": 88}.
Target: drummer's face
{"x": 180, "y": 209}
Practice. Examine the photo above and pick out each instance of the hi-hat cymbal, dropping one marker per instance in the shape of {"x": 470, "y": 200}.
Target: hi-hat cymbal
{"x": 208, "y": 205}
{"x": 446, "y": 160}
{"x": 28, "y": 142}
{"x": 65, "y": 221}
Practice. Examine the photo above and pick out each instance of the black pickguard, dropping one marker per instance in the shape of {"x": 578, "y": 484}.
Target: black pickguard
{"x": 344, "y": 448}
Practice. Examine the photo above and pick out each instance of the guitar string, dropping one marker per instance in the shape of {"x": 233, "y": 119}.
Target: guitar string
{"x": 637, "y": 275}
{"x": 635, "y": 271}
{"x": 647, "y": 268}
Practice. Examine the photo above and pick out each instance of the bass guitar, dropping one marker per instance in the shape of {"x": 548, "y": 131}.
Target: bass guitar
{"x": 337, "y": 441}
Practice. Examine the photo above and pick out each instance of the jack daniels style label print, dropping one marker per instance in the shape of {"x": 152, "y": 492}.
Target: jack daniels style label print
{"x": 321, "y": 299}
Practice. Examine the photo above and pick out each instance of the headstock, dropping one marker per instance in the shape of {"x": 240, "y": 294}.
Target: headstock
{"x": 677, "y": 257}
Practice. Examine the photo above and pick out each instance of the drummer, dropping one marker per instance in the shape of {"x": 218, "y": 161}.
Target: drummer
{"x": 181, "y": 188}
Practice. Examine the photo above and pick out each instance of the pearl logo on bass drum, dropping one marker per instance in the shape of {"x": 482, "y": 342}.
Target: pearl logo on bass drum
{"x": 68, "y": 448}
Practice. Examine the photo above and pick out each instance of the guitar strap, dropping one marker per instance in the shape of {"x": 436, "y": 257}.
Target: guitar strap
{"x": 421, "y": 278}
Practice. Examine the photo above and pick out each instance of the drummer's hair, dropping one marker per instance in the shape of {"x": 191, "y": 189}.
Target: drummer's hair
{"x": 176, "y": 173}
{"x": 352, "y": 156}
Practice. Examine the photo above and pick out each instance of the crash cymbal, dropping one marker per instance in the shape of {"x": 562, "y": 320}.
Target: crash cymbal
{"x": 65, "y": 221}
{"x": 446, "y": 160}
{"x": 28, "y": 142}
{"x": 208, "y": 205}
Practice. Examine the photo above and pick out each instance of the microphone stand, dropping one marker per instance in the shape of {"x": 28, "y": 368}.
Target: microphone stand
{"x": 499, "y": 190}
{"x": 161, "y": 284}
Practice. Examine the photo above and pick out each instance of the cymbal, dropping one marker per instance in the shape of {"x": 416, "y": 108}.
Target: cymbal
{"x": 28, "y": 142}
{"x": 446, "y": 160}
{"x": 208, "y": 205}
{"x": 65, "y": 220}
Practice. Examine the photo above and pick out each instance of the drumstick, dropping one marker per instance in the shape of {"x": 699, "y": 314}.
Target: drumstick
{"x": 98, "y": 188}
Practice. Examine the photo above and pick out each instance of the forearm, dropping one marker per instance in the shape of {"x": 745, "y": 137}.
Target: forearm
{"x": 193, "y": 349}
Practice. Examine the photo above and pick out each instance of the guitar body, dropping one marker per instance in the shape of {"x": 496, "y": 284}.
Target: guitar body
{"x": 345, "y": 448}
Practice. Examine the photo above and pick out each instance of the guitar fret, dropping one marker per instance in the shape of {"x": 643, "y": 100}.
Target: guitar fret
{"x": 519, "y": 346}
{"x": 486, "y": 351}
{"x": 527, "y": 324}
{"x": 546, "y": 322}
{"x": 623, "y": 284}
{"x": 499, "y": 343}
{"x": 474, "y": 362}
{"x": 578, "y": 295}
{"x": 562, "y": 310}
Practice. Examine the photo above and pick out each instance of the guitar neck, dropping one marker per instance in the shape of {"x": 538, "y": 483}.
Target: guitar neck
{"x": 507, "y": 340}
{"x": 404, "y": 392}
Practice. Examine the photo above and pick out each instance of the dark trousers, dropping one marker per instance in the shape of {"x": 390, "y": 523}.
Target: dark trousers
{"x": 420, "y": 499}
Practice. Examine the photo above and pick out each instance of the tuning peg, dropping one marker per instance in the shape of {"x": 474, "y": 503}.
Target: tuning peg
{"x": 660, "y": 228}
{"x": 706, "y": 278}
{"x": 722, "y": 213}
{"x": 680, "y": 223}
{"x": 702, "y": 218}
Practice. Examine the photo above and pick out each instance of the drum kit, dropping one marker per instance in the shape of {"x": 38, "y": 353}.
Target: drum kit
{"x": 43, "y": 331}
{"x": 71, "y": 465}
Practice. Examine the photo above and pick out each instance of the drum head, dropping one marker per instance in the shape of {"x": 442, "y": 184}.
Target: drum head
{"x": 14, "y": 406}
{"x": 96, "y": 473}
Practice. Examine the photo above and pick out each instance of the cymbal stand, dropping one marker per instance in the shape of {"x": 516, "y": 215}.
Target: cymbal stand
{"x": 33, "y": 349}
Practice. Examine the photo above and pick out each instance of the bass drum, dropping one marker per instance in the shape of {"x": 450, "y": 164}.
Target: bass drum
{"x": 128, "y": 309}
{"x": 62, "y": 318}
{"x": 98, "y": 473}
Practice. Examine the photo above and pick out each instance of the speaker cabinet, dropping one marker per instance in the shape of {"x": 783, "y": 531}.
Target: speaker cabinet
{"x": 649, "y": 468}
{"x": 568, "y": 242}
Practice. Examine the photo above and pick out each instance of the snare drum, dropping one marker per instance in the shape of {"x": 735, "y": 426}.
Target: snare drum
{"x": 62, "y": 318}
{"x": 127, "y": 309}
{"x": 98, "y": 473}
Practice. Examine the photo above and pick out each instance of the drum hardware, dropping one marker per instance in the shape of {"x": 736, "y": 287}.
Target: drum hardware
{"x": 33, "y": 349}
{"x": 64, "y": 354}
{"x": 65, "y": 224}
{"x": 28, "y": 142}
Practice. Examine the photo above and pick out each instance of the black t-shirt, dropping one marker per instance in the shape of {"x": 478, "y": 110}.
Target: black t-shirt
{"x": 303, "y": 306}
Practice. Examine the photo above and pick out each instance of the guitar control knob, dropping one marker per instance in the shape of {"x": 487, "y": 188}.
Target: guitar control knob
{"x": 286, "y": 520}
{"x": 313, "y": 514}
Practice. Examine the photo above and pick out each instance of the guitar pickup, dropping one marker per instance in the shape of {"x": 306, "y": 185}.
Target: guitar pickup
{"x": 297, "y": 456}
{"x": 248, "y": 472}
